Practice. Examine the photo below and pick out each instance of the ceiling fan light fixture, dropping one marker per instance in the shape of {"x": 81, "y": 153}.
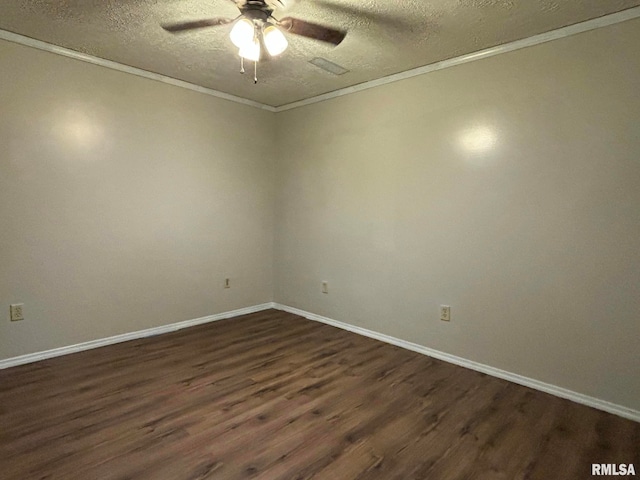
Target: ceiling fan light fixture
{"x": 256, "y": 37}
{"x": 243, "y": 33}
{"x": 274, "y": 40}
{"x": 251, "y": 51}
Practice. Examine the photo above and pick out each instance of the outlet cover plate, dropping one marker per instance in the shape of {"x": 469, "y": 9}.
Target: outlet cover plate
{"x": 16, "y": 313}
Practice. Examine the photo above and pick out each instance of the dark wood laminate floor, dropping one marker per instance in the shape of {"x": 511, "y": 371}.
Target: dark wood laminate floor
{"x": 274, "y": 396}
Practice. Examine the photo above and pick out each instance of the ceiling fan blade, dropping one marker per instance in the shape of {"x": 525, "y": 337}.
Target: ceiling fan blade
{"x": 313, "y": 30}
{"x": 207, "y": 22}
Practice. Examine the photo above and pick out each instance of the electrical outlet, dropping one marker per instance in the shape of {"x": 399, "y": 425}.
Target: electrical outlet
{"x": 325, "y": 287}
{"x": 445, "y": 313}
{"x": 16, "y": 312}
{"x": 227, "y": 283}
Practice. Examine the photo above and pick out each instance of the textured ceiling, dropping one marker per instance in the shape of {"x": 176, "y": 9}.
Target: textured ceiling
{"x": 384, "y": 36}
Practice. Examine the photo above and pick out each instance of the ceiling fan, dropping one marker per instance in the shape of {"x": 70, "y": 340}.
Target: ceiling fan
{"x": 257, "y": 34}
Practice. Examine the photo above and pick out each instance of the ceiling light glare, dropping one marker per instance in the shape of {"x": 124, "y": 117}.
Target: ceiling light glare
{"x": 242, "y": 33}
{"x": 79, "y": 129}
{"x": 478, "y": 139}
{"x": 251, "y": 51}
{"x": 274, "y": 40}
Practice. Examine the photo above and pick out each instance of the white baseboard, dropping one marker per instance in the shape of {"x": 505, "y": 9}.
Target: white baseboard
{"x": 101, "y": 342}
{"x": 619, "y": 410}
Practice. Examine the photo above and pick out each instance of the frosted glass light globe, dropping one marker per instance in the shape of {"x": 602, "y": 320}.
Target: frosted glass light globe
{"x": 251, "y": 51}
{"x": 274, "y": 40}
{"x": 242, "y": 33}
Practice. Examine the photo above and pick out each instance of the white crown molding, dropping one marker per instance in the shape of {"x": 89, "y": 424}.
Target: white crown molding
{"x": 83, "y": 57}
{"x": 101, "y": 342}
{"x": 593, "y": 24}
{"x": 581, "y": 27}
{"x": 609, "y": 407}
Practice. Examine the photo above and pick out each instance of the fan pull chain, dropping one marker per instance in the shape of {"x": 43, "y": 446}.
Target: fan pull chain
{"x": 241, "y": 64}
{"x": 257, "y": 33}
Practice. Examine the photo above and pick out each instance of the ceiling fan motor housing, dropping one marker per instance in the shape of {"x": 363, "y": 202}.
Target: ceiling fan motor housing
{"x": 271, "y": 4}
{"x": 256, "y": 9}
{"x": 253, "y": 13}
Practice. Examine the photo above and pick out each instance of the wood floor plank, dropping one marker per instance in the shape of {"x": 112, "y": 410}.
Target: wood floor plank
{"x": 274, "y": 396}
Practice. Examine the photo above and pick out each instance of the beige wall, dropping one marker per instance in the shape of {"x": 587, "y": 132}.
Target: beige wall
{"x": 124, "y": 202}
{"x": 508, "y": 188}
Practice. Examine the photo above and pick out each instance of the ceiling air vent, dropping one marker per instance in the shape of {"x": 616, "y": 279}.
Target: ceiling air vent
{"x": 328, "y": 66}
